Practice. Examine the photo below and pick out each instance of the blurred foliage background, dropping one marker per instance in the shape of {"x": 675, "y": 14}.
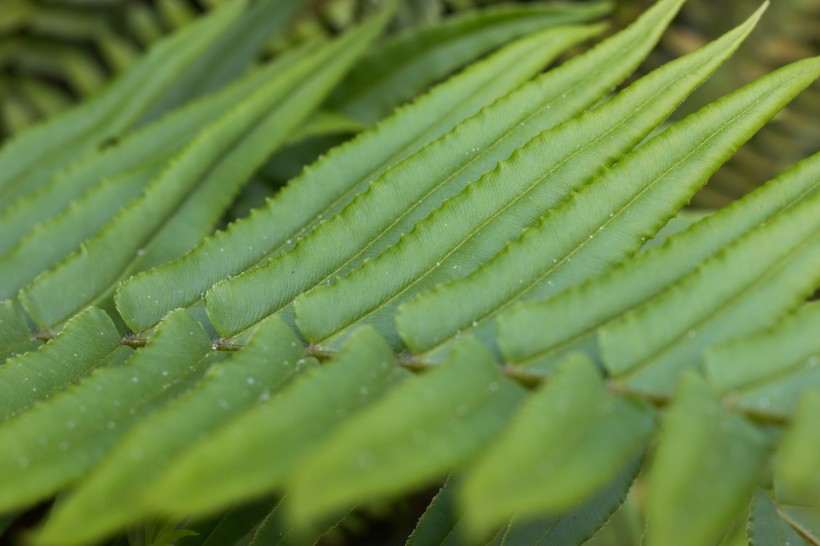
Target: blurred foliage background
{"x": 56, "y": 52}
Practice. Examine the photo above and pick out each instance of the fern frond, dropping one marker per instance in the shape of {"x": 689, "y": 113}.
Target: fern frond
{"x": 607, "y": 220}
{"x": 569, "y": 321}
{"x": 327, "y": 186}
{"x": 401, "y": 67}
{"x": 410, "y": 190}
{"x": 192, "y": 188}
{"x": 473, "y": 226}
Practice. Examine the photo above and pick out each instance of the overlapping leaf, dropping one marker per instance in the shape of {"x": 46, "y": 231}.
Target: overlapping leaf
{"x": 410, "y": 190}
{"x": 473, "y": 226}
{"x": 326, "y": 187}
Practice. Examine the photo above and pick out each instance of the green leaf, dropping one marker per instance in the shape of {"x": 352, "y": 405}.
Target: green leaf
{"x": 774, "y": 268}
{"x": 109, "y": 499}
{"x": 403, "y": 66}
{"x": 765, "y": 372}
{"x": 798, "y": 467}
{"x": 607, "y": 220}
{"x": 576, "y": 526}
{"x": 229, "y": 55}
{"x": 55, "y": 442}
{"x": 31, "y": 159}
{"x": 766, "y": 527}
{"x": 254, "y": 453}
{"x": 413, "y": 188}
{"x": 704, "y": 471}
{"x": 568, "y": 441}
{"x": 89, "y": 340}
{"x": 473, "y": 226}
{"x": 155, "y": 143}
{"x": 328, "y": 185}
{"x": 413, "y": 436}
{"x": 569, "y": 321}
{"x": 192, "y": 190}
{"x": 53, "y": 239}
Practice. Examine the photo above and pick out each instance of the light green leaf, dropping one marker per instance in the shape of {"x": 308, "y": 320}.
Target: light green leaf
{"x": 567, "y": 442}
{"x": 254, "y": 454}
{"x": 473, "y": 226}
{"x": 765, "y": 372}
{"x": 575, "y": 527}
{"x": 327, "y": 186}
{"x": 155, "y": 143}
{"x": 607, "y": 220}
{"x": 89, "y": 340}
{"x": 109, "y": 499}
{"x": 704, "y": 471}
{"x": 196, "y": 185}
{"x": 410, "y": 190}
{"x": 31, "y": 159}
{"x": 53, "y": 239}
{"x": 537, "y": 335}
{"x": 403, "y": 66}
{"x": 55, "y": 442}
{"x": 774, "y": 268}
{"x": 229, "y": 55}
{"x": 798, "y": 466}
{"x": 413, "y": 436}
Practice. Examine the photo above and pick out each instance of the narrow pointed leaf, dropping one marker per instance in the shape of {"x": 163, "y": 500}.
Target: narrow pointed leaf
{"x": 473, "y": 226}
{"x": 154, "y": 143}
{"x": 328, "y": 185}
{"x": 775, "y": 267}
{"x": 86, "y": 342}
{"x": 230, "y": 54}
{"x": 109, "y": 499}
{"x": 765, "y": 372}
{"x": 255, "y": 453}
{"x": 413, "y": 436}
{"x": 51, "y": 241}
{"x": 704, "y": 471}
{"x": 405, "y": 65}
{"x": 569, "y": 321}
{"x": 410, "y": 190}
{"x": 606, "y": 221}
{"x": 569, "y": 440}
{"x": 56, "y": 442}
{"x": 232, "y": 145}
{"x": 31, "y": 159}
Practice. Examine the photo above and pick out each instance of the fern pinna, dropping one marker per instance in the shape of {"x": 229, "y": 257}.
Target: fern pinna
{"x": 465, "y": 295}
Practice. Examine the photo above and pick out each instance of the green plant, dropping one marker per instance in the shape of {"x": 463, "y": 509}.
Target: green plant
{"x": 463, "y": 292}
